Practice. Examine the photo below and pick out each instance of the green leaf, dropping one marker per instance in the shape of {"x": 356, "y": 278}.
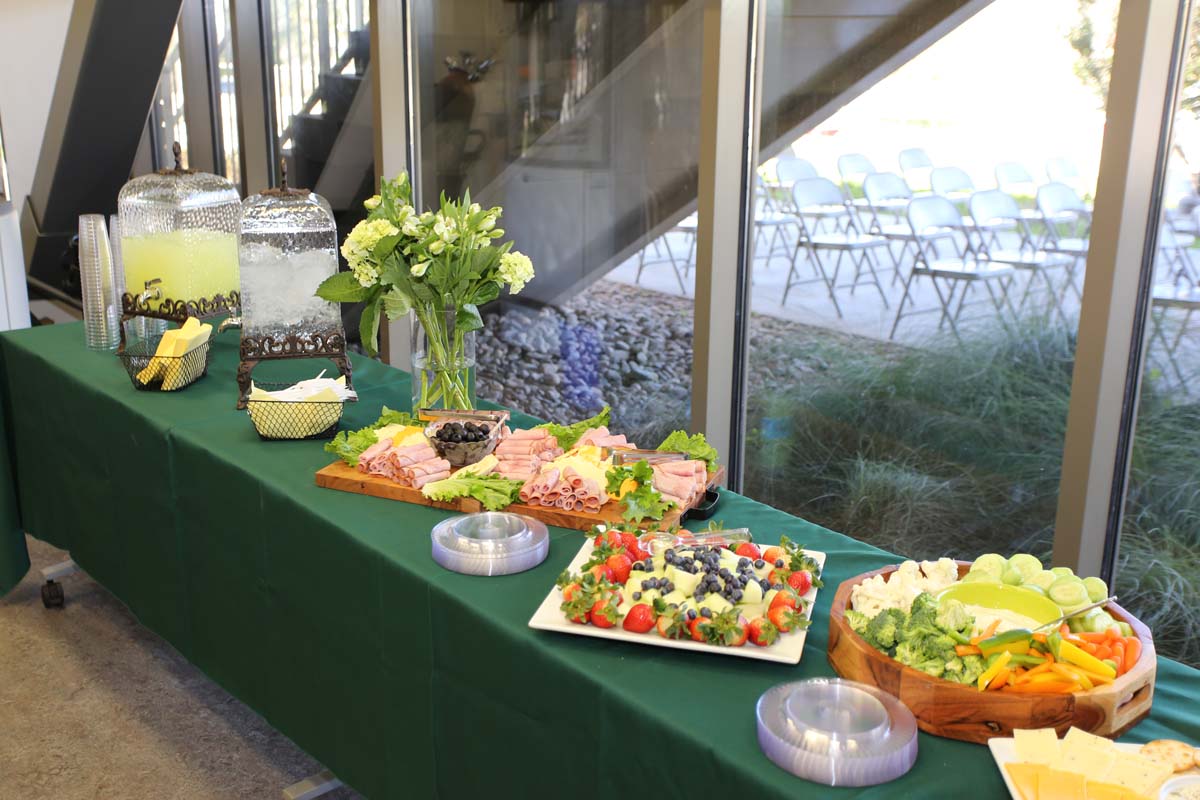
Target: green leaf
{"x": 644, "y": 503}
{"x": 384, "y": 247}
{"x": 493, "y": 491}
{"x": 397, "y": 303}
{"x": 368, "y": 328}
{"x": 467, "y": 318}
{"x": 343, "y": 288}
{"x": 568, "y": 435}
{"x": 348, "y": 445}
{"x": 394, "y": 270}
{"x": 694, "y": 446}
{"x": 487, "y": 293}
{"x": 390, "y": 416}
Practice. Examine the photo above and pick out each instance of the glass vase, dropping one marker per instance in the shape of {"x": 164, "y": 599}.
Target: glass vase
{"x": 443, "y": 359}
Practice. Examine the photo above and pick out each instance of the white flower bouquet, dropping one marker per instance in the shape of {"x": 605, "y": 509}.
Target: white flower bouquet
{"x": 439, "y": 265}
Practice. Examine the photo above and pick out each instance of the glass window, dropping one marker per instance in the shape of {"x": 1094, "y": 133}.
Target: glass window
{"x": 167, "y": 121}
{"x": 1158, "y": 557}
{"x": 920, "y": 251}
{"x": 581, "y": 120}
{"x": 229, "y": 159}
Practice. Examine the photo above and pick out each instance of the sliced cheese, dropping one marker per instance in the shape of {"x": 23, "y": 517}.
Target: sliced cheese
{"x": 1056, "y": 784}
{"x": 1136, "y": 772}
{"x": 1036, "y": 746}
{"x": 1085, "y": 757}
{"x": 1025, "y": 778}
{"x": 1098, "y": 790}
{"x": 1078, "y": 736}
{"x": 409, "y": 436}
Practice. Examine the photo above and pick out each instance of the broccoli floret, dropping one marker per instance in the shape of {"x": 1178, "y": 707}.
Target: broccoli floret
{"x": 924, "y": 609}
{"x": 914, "y": 653}
{"x": 953, "y": 616}
{"x": 973, "y": 667}
{"x": 954, "y": 668}
{"x": 857, "y": 621}
{"x": 883, "y": 632}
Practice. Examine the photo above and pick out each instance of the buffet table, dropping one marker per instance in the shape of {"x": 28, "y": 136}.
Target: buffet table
{"x": 324, "y": 612}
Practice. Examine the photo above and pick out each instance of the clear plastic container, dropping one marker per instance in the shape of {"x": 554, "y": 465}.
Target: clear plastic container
{"x": 490, "y": 543}
{"x": 837, "y": 732}
{"x": 655, "y": 543}
{"x": 179, "y": 233}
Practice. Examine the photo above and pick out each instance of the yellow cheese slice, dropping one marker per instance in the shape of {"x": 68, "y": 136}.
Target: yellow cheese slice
{"x": 1098, "y": 790}
{"x": 1036, "y": 746}
{"x": 1086, "y": 758}
{"x": 1055, "y": 784}
{"x": 1025, "y": 778}
{"x": 1076, "y": 735}
{"x": 410, "y": 435}
{"x": 1136, "y": 772}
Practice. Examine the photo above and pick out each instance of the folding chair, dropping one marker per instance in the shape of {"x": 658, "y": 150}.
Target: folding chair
{"x": 819, "y": 203}
{"x": 687, "y": 226}
{"x": 915, "y": 166}
{"x": 931, "y": 218}
{"x": 1062, "y": 170}
{"x": 770, "y": 225}
{"x": 1013, "y": 179}
{"x": 951, "y": 183}
{"x": 787, "y": 172}
{"x": 853, "y": 169}
{"x": 1062, "y": 207}
{"x": 1174, "y": 250}
{"x": 1166, "y": 297}
{"x": 993, "y": 209}
{"x": 888, "y": 193}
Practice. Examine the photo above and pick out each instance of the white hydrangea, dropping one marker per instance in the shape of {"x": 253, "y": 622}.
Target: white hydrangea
{"x": 516, "y": 270}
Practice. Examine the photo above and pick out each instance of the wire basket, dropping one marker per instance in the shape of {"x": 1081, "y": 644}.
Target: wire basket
{"x": 149, "y": 372}
{"x": 280, "y": 420}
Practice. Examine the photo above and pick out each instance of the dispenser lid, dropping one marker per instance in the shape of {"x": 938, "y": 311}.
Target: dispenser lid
{"x": 490, "y": 543}
{"x": 179, "y": 188}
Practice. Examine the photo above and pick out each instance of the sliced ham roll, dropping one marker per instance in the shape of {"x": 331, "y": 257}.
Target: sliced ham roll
{"x": 368, "y": 456}
{"x": 528, "y": 434}
{"x": 421, "y": 480}
{"x": 681, "y": 482}
{"x": 601, "y": 437}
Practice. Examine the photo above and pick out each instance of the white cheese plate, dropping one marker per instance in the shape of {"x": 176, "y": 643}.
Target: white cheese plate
{"x": 786, "y": 650}
{"x": 1004, "y": 751}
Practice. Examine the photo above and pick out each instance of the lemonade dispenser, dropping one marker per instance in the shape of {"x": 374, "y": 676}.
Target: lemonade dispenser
{"x": 179, "y": 245}
{"x": 288, "y": 247}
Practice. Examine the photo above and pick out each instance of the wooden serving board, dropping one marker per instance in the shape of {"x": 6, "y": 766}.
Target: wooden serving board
{"x": 963, "y": 712}
{"x": 345, "y": 478}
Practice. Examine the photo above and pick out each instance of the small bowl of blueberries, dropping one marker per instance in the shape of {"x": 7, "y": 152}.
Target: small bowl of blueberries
{"x": 463, "y": 441}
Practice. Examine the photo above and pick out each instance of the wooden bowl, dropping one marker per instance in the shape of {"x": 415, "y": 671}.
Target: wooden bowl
{"x": 963, "y": 712}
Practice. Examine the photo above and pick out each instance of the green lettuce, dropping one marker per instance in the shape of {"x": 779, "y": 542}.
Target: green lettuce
{"x": 349, "y": 445}
{"x": 493, "y": 491}
{"x": 694, "y": 446}
{"x": 568, "y": 435}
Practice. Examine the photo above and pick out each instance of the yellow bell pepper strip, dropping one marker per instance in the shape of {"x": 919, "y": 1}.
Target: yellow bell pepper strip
{"x": 1046, "y": 687}
{"x": 1033, "y": 673}
{"x": 993, "y": 670}
{"x": 1073, "y": 655}
{"x": 1073, "y": 674}
{"x": 1016, "y": 641}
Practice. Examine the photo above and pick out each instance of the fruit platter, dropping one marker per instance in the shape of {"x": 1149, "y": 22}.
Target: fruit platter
{"x": 571, "y": 476}
{"x": 979, "y": 649}
{"x": 712, "y": 592}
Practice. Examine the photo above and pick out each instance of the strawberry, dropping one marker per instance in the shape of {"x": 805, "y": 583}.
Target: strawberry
{"x": 630, "y": 541}
{"x": 801, "y": 581}
{"x": 726, "y": 629}
{"x": 786, "y": 597}
{"x": 695, "y": 629}
{"x": 740, "y": 633}
{"x": 639, "y": 619}
{"x": 619, "y": 565}
{"x": 748, "y": 550}
{"x": 638, "y": 554}
{"x": 785, "y": 619}
{"x": 570, "y": 593}
{"x": 778, "y": 576}
{"x": 604, "y": 612}
{"x": 602, "y": 572}
{"x": 670, "y": 623}
{"x": 763, "y": 632}
{"x": 773, "y": 554}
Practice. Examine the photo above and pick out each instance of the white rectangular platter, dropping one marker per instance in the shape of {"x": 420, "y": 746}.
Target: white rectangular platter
{"x": 1004, "y": 750}
{"x": 787, "y": 650}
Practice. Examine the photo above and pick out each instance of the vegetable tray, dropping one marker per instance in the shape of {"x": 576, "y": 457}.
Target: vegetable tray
{"x": 345, "y": 478}
{"x": 787, "y": 650}
{"x": 962, "y": 712}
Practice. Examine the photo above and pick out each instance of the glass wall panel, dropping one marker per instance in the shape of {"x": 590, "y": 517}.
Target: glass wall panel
{"x": 921, "y": 241}
{"x": 580, "y": 118}
{"x": 1158, "y": 557}
{"x": 229, "y": 159}
{"x": 167, "y": 120}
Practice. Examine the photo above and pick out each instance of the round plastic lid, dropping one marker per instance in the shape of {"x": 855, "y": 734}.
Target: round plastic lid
{"x": 837, "y": 732}
{"x": 490, "y": 543}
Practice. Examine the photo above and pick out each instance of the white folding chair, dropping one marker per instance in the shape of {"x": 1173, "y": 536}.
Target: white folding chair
{"x": 788, "y": 171}
{"x": 931, "y": 218}
{"x": 915, "y": 165}
{"x": 992, "y": 210}
{"x": 853, "y": 169}
{"x": 771, "y": 225}
{"x": 819, "y": 205}
{"x": 888, "y": 194}
{"x": 1013, "y": 179}
{"x": 686, "y": 226}
{"x": 1062, "y": 170}
{"x": 1068, "y": 224}
{"x": 1166, "y": 297}
{"x": 952, "y": 183}
{"x": 1174, "y": 254}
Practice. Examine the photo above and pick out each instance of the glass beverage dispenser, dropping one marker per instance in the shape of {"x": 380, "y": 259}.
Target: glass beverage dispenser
{"x": 179, "y": 245}
{"x": 288, "y": 247}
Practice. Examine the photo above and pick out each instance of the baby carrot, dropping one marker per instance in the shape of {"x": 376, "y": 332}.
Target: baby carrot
{"x": 1133, "y": 649}
{"x": 1118, "y": 654}
{"x": 1095, "y": 638}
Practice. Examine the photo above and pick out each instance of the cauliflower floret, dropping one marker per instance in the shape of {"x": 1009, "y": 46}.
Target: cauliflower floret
{"x": 939, "y": 574}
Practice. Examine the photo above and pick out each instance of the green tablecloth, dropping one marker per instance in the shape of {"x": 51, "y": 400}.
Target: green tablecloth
{"x": 325, "y": 613}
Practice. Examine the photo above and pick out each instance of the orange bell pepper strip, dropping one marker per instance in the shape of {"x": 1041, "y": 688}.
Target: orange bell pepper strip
{"x": 1038, "y": 670}
{"x": 987, "y": 632}
{"x": 1040, "y": 638}
{"x": 1000, "y": 680}
{"x": 966, "y": 650}
{"x": 1133, "y": 649}
{"x": 1047, "y": 687}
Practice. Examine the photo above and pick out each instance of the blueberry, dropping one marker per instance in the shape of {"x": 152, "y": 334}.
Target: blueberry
{"x": 778, "y": 587}
{"x": 724, "y": 573}
{"x": 737, "y": 595}
{"x": 706, "y": 612}
{"x": 759, "y": 563}
{"x": 648, "y": 584}
{"x": 743, "y": 561}
{"x": 765, "y": 584}
{"x": 691, "y": 613}
{"x": 637, "y": 596}
{"x": 779, "y": 562}
{"x": 670, "y": 587}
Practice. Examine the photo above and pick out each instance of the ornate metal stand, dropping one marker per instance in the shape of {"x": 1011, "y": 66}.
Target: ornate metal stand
{"x": 329, "y": 343}
{"x": 148, "y": 304}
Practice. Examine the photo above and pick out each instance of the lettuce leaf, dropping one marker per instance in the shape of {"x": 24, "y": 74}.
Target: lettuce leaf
{"x": 694, "y": 446}
{"x": 642, "y": 503}
{"x": 349, "y": 445}
{"x": 568, "y": 435}
{"x": 493, "y": 491}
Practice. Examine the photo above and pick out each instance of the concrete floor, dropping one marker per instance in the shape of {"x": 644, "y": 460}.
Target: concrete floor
{"x": 93, "y": 705}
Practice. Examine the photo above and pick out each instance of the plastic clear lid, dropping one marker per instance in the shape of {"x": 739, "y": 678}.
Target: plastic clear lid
{"x": 490, "y": 543}
{"x": 658, "y": 542}
{"x": 837, "y": 732}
